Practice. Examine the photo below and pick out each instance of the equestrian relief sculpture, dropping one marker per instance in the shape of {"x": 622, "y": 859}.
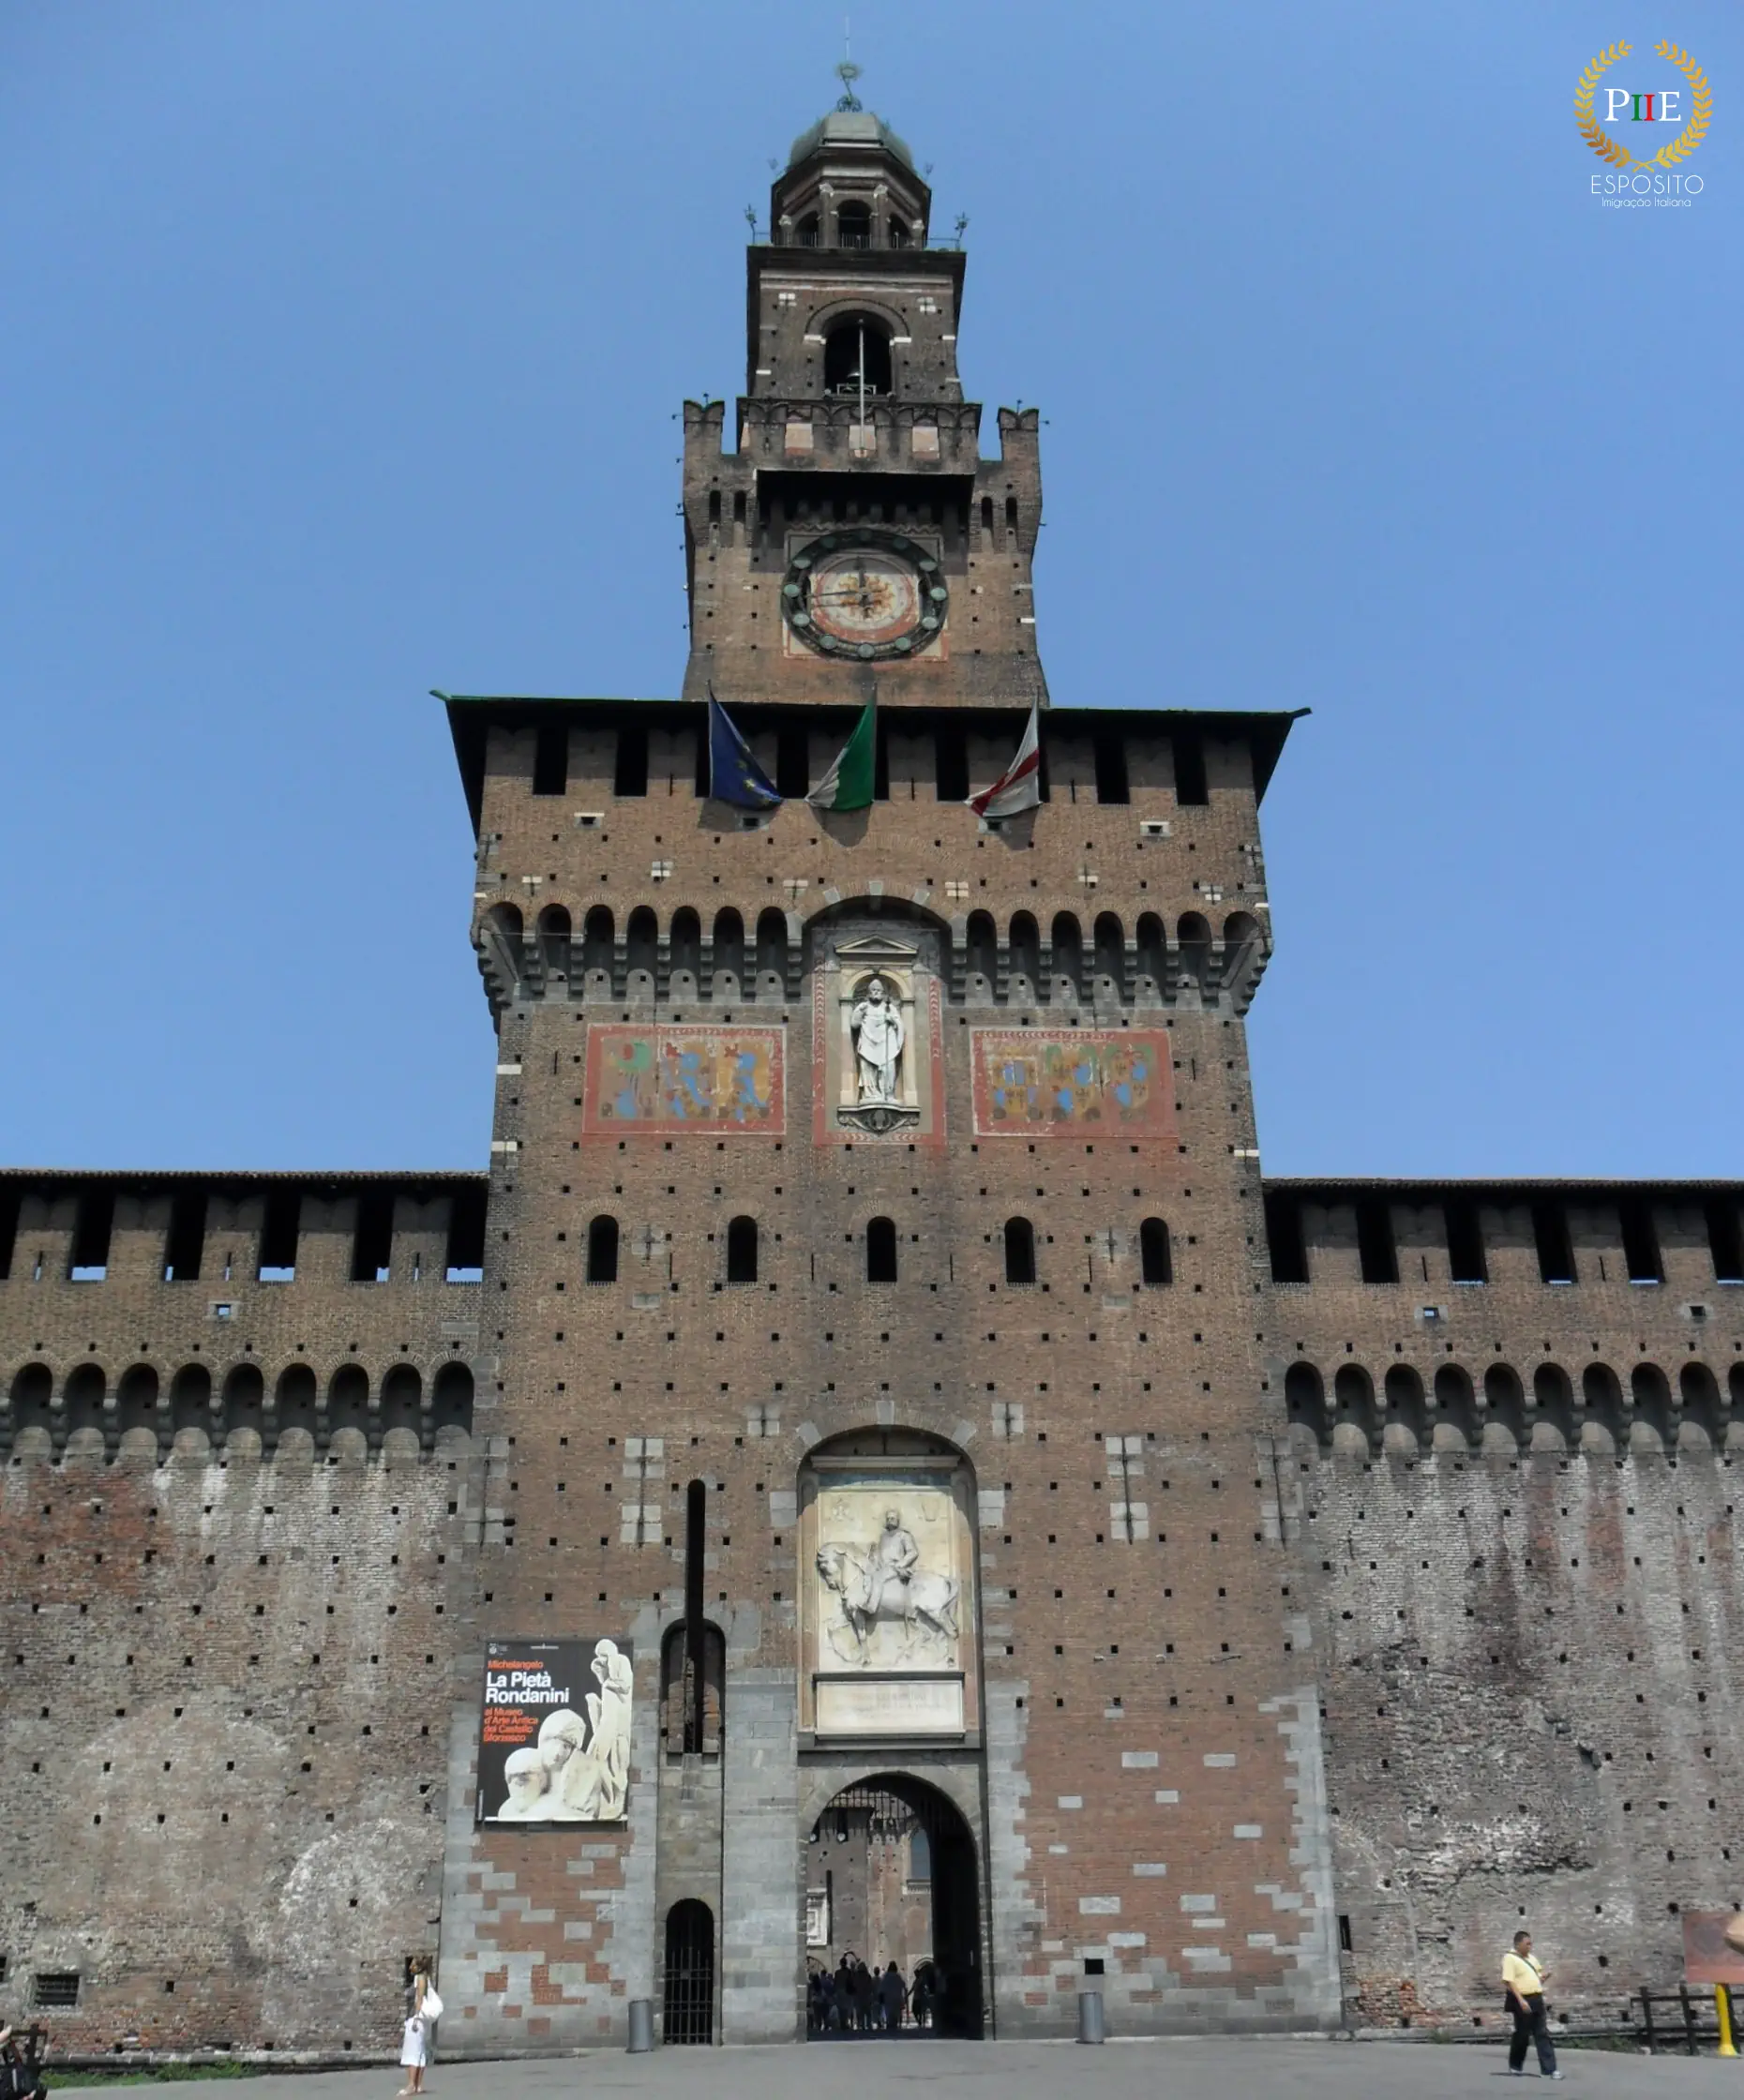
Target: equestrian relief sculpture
{"x": 886, "y": 1585}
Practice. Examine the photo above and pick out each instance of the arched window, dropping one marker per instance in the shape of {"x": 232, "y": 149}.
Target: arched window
{"x": 1456, "y": 1410}
{"x": 1651, "y": 1394}
{"x": 1353, "y": 1394}
{"x": 348, "y": 1397}
{"x": 920, "y": 1857}
{"x": 602, "y": 1250}
{"x": 691, "y": 1713}
{"x": 728, "y": 954}
{"x": 1110, "y": 950}
{"x": 554, "y": 939}
{"x": 1025, "y": 952}
{"x": 1069, "y": 951}
{"x": 1153, "y": 1252}
{"x": 1701, "y": 1404}
{"x": 984, "y": 952}
{"x": 294, "y": 1399}
{"x": 687, "y": 948}
{"x": 1504, "y": 1401}
{"x": 853, "y": 224}
{"x": 1194, "y": 934}
{"x": 451, "y": 1398}
{"x": 1603, "y": 1399}
{"x": 190, "y": 1397}
{"x": 642, "y": 943}
{"x": 856, "y": 349}
{"x": 986, "y": 520}
{"x": 136, "y": 1397}
{"x": 1403, "y": 1390}
{"x": 598, "y": 941}
{"x": 772, "y": 954}
{"x": 1304, "y": 1397}
{"x": 1019, "y": 1251}
{"x": 742, "y": 1251}
{"x": 899, "y": 235}
{"x": 85, "y": 1387}
{"x": 245, "y": 1401}
{"x": 1152, "y": 950}
{"x": 401, "y": 1391}
{"x": 806, "y": 234}
{"x": 32, "y": 1390}
{"x": 880, "y": 1252}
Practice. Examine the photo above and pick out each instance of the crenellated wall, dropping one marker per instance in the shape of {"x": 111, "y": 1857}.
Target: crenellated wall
{"x": 1514, "y": 1429}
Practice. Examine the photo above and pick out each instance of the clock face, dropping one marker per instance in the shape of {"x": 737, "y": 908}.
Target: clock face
{"x": 864, "y": 593}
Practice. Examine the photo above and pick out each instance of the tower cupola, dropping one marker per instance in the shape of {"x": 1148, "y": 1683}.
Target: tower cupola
{"x": 850, "y": 183}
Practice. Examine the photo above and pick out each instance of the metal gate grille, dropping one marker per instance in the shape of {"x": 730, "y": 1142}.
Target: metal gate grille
{"x": 689, "y": 1973}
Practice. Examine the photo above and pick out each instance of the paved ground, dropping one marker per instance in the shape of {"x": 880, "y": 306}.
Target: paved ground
{"x": 1170, "y": 2070}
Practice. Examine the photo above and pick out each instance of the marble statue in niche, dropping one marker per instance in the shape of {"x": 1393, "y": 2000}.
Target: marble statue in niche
{"x": 877, "y": 1027}
{"x": 876, "y": 1030}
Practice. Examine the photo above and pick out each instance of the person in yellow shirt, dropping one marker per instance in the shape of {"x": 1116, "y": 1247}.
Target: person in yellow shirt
{"x": 1523, "y": 1985}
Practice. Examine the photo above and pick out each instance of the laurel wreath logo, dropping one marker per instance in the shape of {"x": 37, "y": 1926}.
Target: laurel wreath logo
{"x": 1606, "y": 148}
{"x": 1614, "y": 150}
{"x": 1701, "y": 103}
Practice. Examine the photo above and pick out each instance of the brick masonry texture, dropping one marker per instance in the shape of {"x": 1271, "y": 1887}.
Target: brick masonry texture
{"x": 1333, "y": 1614}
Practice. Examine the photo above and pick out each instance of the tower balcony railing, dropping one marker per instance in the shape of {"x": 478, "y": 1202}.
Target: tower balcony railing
{"x": 761, "y": 236}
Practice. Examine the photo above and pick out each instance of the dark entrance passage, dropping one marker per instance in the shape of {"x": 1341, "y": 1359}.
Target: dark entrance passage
{"x": 891, "y": 1876}
{"x": 689, "y": 1999}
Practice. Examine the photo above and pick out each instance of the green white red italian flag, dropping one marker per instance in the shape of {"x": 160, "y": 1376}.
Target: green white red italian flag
{"x": 850, "y": 781}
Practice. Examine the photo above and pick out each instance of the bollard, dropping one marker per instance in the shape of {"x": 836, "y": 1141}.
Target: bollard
{"x": 641, "y": 2025}
{"x": 1089, "y": 2016}
{"x": 1722, "y": 2013}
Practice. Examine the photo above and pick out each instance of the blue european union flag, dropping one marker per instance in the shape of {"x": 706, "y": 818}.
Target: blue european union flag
{"x": 734, "y": 775}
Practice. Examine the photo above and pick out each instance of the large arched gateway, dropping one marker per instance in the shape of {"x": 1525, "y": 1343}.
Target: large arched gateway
{"x": 893, "y": 1881}
{"x": 892, "y": 1783}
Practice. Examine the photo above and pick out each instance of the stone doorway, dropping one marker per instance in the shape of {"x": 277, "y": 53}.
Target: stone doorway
{"x": 689, "y": 1996}
{"x": 890, "y": 1875}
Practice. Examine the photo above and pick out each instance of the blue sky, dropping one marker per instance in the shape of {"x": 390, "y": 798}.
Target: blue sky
{"x": 342, "y": 354}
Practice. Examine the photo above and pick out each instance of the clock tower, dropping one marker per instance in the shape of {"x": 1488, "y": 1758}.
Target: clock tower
{"x": 847, "y": 529}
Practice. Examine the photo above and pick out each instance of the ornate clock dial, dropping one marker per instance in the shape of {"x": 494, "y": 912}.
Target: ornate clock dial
{"x": 864, "y": 593}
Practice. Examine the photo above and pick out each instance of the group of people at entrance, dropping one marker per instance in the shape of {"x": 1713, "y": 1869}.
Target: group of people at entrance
{"x": 851, "y": 1999}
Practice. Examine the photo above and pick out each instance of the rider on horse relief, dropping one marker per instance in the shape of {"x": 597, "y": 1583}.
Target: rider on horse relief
{"x": 894, "y": 1558}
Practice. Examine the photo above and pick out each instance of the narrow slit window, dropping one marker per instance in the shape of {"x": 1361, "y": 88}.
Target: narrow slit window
{"x": 92, "y": 1224}
{"x": 1726, "y": 1243}
{"x": 602, "y": 1250}
{"x": 1556, "y": 1251}
{"x": 372, "y": 1244}
{"x": 1190, "y": 787}
{"x": 185, "y": 1243}
{"x": 279, "y": 1227}
{"x": 1465, "y": 1262}
{"x": 550, "y": 760}
{"x": 630, "y": 779}
{"x": 1376, "y": 1246}
{"x": 1286, "y": 1241}
{"x": 463, "y": 1258}
{"x": 742, "y": 1251}
{"x": 1111, "y": 780}
{"x": 1641, "y": 1244}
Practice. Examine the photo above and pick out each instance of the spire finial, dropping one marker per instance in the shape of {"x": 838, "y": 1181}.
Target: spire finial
{"x": 847, "y": 71}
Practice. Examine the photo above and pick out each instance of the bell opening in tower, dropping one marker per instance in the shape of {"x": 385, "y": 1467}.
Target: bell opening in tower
{"x": 856, "y": 357}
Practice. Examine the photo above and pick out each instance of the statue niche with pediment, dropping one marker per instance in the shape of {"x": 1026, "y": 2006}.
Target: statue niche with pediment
{"x": 876, "y": 993}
